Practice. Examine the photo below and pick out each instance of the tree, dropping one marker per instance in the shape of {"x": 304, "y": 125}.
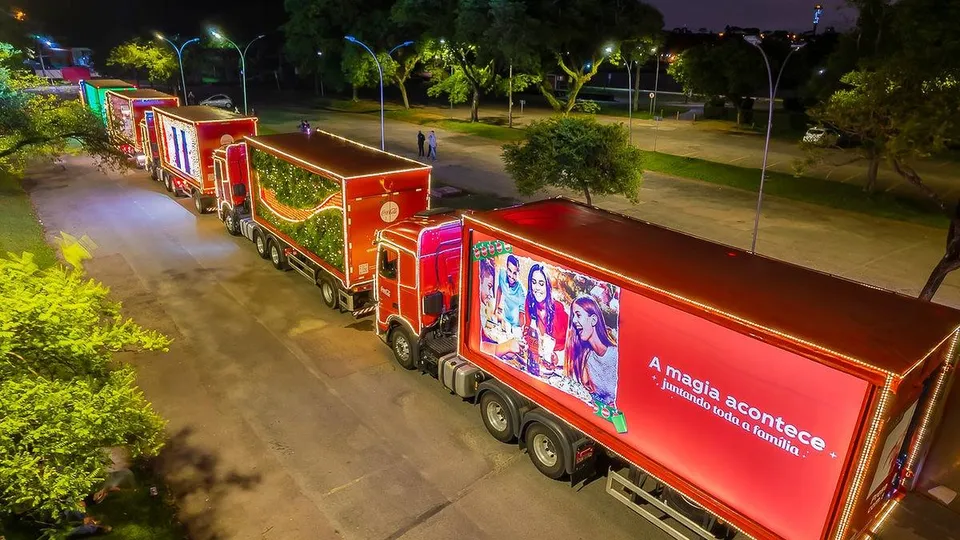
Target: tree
{"x": 62, "y": 398}
{"x": 576, "y": 153}
{"x": 574, "y": 35}
{"x": 136, "y": 54}
{"x": 729, "y": 70}
{"x": 38, "y": 126}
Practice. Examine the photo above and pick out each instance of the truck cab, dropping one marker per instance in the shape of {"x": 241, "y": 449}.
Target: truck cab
{"x": 232, "y": 185}
{"x": 416, "y": 286}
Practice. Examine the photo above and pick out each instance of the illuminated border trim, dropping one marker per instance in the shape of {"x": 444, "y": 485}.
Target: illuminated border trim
{"x": 233, "y": 118}
{"x": 882, "y": 517}
{"x": 866, "y": 455}
{"x": 948, "y": 367}
{"x": 701, "y": 305}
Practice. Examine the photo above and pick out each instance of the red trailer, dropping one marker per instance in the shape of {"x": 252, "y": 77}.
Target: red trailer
{"x": 128, "y": 114}
{"x": 316, "y": 202}
{"x": 188, "y": 137}
{"x": 735, "y": 394}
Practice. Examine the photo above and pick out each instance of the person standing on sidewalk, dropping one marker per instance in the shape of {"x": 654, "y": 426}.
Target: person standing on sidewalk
{"x": 420, "y": 140}
{"x": 432, "y": 144}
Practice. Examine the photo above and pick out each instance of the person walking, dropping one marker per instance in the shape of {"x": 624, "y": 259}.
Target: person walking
{"x": 420, "y": 141}
{"x": 432, "y": 145}
{"x": 190, "y": 99}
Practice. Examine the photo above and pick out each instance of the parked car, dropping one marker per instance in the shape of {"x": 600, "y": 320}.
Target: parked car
{"x": 821, "y": 136}
{"x": 222, "y": 101}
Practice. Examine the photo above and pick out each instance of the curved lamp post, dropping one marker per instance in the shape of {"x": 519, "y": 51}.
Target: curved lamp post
{"x": 756, "y": 41}
{"x": 243, "y": 60}
{"x": 356, "y": 41}
{"x": 179, "y": 51}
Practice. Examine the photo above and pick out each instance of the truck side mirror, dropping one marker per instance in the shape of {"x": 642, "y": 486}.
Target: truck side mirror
{"x": 239, "y": 190}
{"x": 433, "y": 303}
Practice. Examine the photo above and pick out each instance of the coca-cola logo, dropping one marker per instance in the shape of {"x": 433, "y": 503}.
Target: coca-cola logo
{"x": 389, "y": 212}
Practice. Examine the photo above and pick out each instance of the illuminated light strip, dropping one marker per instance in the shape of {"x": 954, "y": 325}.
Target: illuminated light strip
{"x": 232, "y": 118}
{"x": 377, "y": 150}
{"x": 873, "y": 433}
{"x": 465, "y": 260}
{"x": 933, "y": 350}
{"x": 688, "y": 301}
{"x": 884, "y": 514}
{"x": 949, "y": 365}
{"x": 386, "y": 173}
{"x": 274, "y": 210}
{"x": 263, "y": 146}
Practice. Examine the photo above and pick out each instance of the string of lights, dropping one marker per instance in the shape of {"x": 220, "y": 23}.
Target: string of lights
{"x": 291, "y": 185}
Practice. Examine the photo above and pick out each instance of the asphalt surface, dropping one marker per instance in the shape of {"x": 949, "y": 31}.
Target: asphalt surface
{"x": 290, "y": 421}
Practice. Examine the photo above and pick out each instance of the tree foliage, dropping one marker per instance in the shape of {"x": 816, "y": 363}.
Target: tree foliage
{"x": 38, "y": 126}
{"x": 63, "y": 400}
{"x": 157, "y": 61}
{"x": 731, "y": 70}
{"x": 576, "y": 153}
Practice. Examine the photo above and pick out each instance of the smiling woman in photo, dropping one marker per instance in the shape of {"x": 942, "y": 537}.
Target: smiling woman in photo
{"x": 592, "y": 352}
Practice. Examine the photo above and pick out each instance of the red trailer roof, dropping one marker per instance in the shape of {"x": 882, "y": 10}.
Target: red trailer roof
{"x": 108, "y": 83}
{"x": 879, "y": 329}
{"x": 331, "y": 154}
{"x": 202, "y": 113}
{"x": 142, "y": 93}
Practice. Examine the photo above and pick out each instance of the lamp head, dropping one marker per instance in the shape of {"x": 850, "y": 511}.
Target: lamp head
{"x": 608, "y": 49}
{"x": 351, "y": 39}
{"x": 319, "y": 53}
{"x": 442, "y": 41}
{"x": 753, "y": 40}
{"x": 407, "y": 43}
{"x": 158, "y": 35}
{"x": 216, "y": 34}
{"x": 798, "y": 46}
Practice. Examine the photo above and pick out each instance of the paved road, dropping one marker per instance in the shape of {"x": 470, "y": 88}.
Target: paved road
{"x": 290, "y": 421}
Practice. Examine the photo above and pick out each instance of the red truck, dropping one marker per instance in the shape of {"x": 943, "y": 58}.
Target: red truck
{"x": 730, "y": 394}
{"x": 129, "y": 113}
{"x": 188, "y": 137}
{"x": 315, "y": 203}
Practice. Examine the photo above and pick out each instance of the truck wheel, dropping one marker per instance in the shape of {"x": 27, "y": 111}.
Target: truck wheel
{"x": 546, "y": 451}
{"x": 405, "y": 349}
{"x": 261, "y": 242}
{"x": 328, "y": 291}
{"x": 167, "y": 182}
{"x": 277, "y": 257}
{"x": 496, "y": 416}
{"x": 199, "y": 202}
{"x": 231, "y": 222}
{"x": 153, "y": 171}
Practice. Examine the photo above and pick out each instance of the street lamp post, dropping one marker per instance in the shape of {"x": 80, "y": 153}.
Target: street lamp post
{"x": 755, "y": 41}
{"x": 179, "y": 51}
{"x": 356, "y": 41}
{"x": 319, "y": 72}
{"x": 243, "y": 61}
{"x": 656, "y": 84}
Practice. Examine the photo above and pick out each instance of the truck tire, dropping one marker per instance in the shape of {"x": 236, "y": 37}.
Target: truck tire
{"x": 277, "y": 257}
{"x": 231, "y": 223}
{"x": 153, "y": 172}
{"x": 546, "y": 451}
{"x": 260, "y": 242}
{"x": 167, "y": 182}
{"x": 496, "y": 416}
{"x": 200, "y": 202}
{"x": 693, "y": 511}
{"x": 405, "y": 349}
{"x": 328, "y": 292}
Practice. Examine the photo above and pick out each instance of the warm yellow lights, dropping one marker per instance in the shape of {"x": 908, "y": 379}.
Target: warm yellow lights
{"x": 884, "y": 514}
{"x": 869, "y": 444}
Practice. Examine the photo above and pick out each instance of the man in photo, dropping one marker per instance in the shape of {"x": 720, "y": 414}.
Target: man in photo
{"x": 510, "y": 293}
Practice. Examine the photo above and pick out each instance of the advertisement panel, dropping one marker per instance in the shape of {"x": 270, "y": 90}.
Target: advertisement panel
{"x": 763, "y": 430}
{"x": 181, "y": 146}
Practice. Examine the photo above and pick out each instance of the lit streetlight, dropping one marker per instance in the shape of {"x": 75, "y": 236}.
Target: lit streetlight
{"x": 243, "y": 60}
{"x": 656, "y": 84}
{"x": 756, "y": 42}
{"x": 179, "y": 51}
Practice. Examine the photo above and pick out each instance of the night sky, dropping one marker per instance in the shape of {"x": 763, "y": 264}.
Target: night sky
{"x": 103, "y": 23}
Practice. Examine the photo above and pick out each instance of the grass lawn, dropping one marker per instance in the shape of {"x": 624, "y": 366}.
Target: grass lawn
{"x": 803, "y": 189}
{"x": 19, "y": 229}
{"x": 133, "y": 513}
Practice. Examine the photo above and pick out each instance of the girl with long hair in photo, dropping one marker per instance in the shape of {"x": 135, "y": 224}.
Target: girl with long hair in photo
{"x": 543, "y": 317}
{"x": 592, "y": 352}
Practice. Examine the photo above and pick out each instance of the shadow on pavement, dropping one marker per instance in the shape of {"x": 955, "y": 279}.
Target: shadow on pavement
{"x": 199, "y": 483}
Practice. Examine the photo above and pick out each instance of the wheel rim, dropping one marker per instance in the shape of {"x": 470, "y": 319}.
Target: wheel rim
{"x": 260, "y": 247}
{"x": 401, "y": 347}
{"x": 198, "y": 204}
{"x": 327, "y": 292}
{"x": 274, "y": 254}
{"x": 495, "y": 416}
{"x": 228, "y": 219}
{"x": 544, "y": 449}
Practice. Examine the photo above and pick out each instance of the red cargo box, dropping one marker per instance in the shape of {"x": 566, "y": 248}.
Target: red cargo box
{"x": 326, "y": 196}
{"x": 189, "y": 135}
{"x": 126, "y": 110}
{"x": 790, "y": 403}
